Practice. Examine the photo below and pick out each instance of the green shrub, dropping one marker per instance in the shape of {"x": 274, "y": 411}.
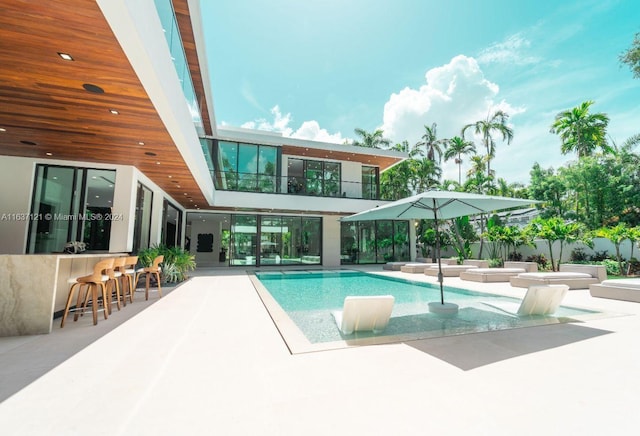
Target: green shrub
{"x": 177, "y": 262}
{"x": 495, "y": 263}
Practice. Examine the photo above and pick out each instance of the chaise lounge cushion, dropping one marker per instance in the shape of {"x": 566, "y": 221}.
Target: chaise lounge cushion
{"x": 617, "y": 289}
{"x": 393, "y": 266}
{"x": 490, "y": 274}
{"x": 448, "y": 270}
{"x": 415, "y": 268}
{"x": 574, "y": 276}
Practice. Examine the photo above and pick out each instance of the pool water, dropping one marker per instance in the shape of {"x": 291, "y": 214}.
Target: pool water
{"x": 309, "y": 297}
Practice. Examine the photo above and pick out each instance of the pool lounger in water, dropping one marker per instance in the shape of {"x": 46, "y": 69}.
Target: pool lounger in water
{"x": 364, "y": 313}
{"x": 539, "y": 300}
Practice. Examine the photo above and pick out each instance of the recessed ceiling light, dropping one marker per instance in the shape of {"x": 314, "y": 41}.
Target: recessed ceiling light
{"x": 49, "y": 153}
{"x": 2, "y": 129}
{"x": 149, "y": 153}
{"x": 169, "y": 176}
{"x": 114, "y": 111}
{"x": 93, "y": 88}
{"x": 28, "y": 142}
{"x": 65, "y": 56}
{"x": 186, "y": 193}
{"x": 97, "y": 196}
{"x": 140, "y": 143}
{"x": 157, "y": 163}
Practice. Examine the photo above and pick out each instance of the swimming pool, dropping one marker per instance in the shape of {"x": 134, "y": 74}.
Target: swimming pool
{"x": 307, "y": 299}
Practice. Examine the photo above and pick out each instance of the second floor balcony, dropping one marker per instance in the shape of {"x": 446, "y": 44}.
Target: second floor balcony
{"x": 294, "y": 185}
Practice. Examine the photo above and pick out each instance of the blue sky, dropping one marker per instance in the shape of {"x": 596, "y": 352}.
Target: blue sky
{"x": 319, "y": 69}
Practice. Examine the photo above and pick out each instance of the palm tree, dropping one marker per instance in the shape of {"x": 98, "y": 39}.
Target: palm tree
{"x": 426, "y": 174}
{"x": 406, "y": 148}
{"x": 431, "y": 142}
{"x": 371, "y": 140}
{"x": 493, "y": 123}
{"x": 455, "y": 148}
{"x": 581, "y": 131}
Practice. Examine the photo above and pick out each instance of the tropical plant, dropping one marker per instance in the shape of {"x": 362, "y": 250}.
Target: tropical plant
{"x": 455, "y": 148}
{"x": 580, "y": 131}
{"x": 556, "y": 229}
{"x": 371, "y": 140}
{"x": 496, "y": 123}
{"x": 462, "y": 235}
{"x": 425, "y": 174}
{"x": 175, "y": 265}
{"x": 431, "y": 143}
{"x": 631, "y": 56}
{"x": 617, "y": 235}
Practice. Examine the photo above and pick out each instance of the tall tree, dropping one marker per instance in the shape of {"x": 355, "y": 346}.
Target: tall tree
{"x": 455, "y": 148}
{"x": 581, "y": 131}
{"x": 631, "y": 57}
{"x": 496, "y": 123}
{"x": 371, "y": 140}
{"x": 426, "y": 174}
{"x": 431, "y": 143}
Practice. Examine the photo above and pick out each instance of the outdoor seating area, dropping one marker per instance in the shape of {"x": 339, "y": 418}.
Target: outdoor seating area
{"x": 617, "y": 289}
{"x": 358, "y": 373}
{"x": 503, "y": 274}
{"x": 576, "y": 276}
{"x": 448, "y": 270}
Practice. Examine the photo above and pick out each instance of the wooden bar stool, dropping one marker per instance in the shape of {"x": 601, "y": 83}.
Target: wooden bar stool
{"x": 92, "y": 282}
{"x": 128, "y": 271}
{"x": 148, "y": 271}
{"x": 115, "y": 274}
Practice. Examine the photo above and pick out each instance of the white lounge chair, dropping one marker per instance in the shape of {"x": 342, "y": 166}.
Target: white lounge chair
{"x": 539, "y": 300}
{"x": 364, "y": 313}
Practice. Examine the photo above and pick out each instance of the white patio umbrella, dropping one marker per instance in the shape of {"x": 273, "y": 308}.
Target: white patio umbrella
{"x": 435, "y": 205}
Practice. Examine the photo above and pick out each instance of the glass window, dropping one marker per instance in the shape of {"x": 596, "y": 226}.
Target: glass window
{"x": 244, "y": 236}
{"x": 270, "y": 240}
{"x": 331, "y": 179}
{"x": 370, "y": 182}
{"x": 267, "y": 169}
{"x": 312, "y": 240}
{"x": 247, "y": 167}
{"x": 384, "y": 241}
{"x": 295, "y": 174}
{"x": 374, "y": 241}
{"x": 75, "y": 205}
{"x": 313, "y": 175}
{"x": 291, "y": 240}
{"x": 142, "y": 226}
{"x": 98, "y": 202}
{"x": 348, "y": 243}
{"x": 401, "y": 240}
{"x": 172, "y": 225}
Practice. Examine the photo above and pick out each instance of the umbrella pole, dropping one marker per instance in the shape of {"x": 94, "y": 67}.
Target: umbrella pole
{"x": 440, "y": 278}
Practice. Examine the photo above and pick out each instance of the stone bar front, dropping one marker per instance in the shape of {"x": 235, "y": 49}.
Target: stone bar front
{"x": 33, "y": 287}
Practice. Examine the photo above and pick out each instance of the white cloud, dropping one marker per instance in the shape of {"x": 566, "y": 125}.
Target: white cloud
{"x": 308, "y": 130}
{"x": 510, "y": 51}
{"x": 454, "y": 95}
{"x": 311, "y": 130}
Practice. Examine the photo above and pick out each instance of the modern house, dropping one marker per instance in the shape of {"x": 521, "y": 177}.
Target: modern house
{"x": 108, "y": 136}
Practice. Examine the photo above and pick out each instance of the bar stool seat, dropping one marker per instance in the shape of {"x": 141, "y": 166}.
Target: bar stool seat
{"x": 148, "y": 272}
{"x": 115, "y": 275}
{"x": 129, "y": 271}
{"x": 92, "y": 282}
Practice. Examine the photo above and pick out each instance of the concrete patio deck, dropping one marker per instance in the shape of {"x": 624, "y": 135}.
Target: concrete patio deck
{"x": 207, "y": 359}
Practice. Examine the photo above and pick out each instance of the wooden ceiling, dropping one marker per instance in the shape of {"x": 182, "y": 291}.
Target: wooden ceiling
{"x": 46, "y": 113}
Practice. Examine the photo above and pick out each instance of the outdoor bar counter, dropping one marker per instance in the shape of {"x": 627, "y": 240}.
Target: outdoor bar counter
{"x": 33, "y": 287}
